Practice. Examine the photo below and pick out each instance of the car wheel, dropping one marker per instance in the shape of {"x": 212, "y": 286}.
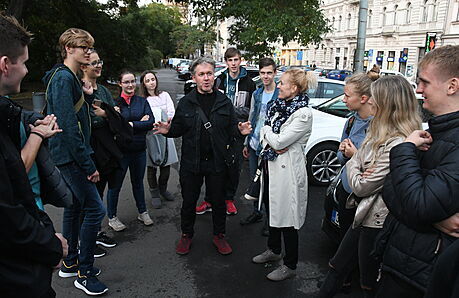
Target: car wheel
{"x": 322, "y": 163}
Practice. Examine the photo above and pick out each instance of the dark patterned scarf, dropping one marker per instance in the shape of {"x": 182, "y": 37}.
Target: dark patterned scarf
{"x": 284, "y": 110}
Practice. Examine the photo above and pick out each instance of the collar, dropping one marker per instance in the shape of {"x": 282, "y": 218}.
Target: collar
{"x": 126, "y": 97}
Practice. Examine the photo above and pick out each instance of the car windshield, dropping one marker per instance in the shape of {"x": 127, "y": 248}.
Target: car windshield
{"x": 335, "y": 106}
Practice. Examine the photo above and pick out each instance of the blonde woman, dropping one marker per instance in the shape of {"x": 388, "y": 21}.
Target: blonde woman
{"x": 396, "y": 116}
{"x": 284, "y": 181}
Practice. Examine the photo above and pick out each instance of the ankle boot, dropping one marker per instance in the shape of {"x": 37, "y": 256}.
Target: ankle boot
{"x": 165, "y": 194}
{"x": 155, "y": 199}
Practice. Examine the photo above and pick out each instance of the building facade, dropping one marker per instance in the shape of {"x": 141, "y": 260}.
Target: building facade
{"x": 398, "y": 34}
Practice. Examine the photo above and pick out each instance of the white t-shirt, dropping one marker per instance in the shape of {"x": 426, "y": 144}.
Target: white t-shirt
{"x": 164, "y": 102}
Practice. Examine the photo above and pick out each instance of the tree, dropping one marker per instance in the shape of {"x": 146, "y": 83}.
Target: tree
{"x": 189, "y": 39}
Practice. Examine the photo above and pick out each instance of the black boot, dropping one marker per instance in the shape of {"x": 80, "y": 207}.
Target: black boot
{"x": 329, "y": 287}
{"x": 155, "y": 199}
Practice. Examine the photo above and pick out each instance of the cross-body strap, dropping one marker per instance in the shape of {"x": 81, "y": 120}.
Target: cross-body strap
{"x": 205, "y": 120}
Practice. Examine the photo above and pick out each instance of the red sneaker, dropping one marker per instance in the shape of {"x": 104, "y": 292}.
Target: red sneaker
{"x": 203, "y": 208}
{"x": 184, "y": 245}
{"x": 222, "y": 246}
{"x": 230, "y": 208}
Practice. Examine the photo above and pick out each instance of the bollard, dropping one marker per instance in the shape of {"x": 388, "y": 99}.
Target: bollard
{"x": 38, "y": 101}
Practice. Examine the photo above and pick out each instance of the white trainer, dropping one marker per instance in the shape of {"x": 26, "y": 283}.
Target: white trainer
{"x": 145, "y": 218}
{"x": 116, "y": 224}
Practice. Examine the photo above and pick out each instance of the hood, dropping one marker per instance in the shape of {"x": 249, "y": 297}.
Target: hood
{"x": 50, "y": 72}
{"x": 242, "y": 73}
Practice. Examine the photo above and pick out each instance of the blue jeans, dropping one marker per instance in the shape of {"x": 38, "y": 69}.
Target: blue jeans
{"x": 136, "y": 162}
{"x": 253, "y": 164}
{"x": 86, "y": 200}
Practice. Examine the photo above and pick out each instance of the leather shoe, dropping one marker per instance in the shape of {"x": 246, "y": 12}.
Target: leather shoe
{"x": 252, "y": 218}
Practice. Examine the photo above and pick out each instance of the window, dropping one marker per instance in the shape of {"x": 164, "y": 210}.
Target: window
{"x": 395, "y": 14}
{"x": 408, "y": 13}
{"x": 332, "y": 90}
{"x": 384, "y": 17}
{"x": 424, "y": 12}
{"x": 333, "y": 23}
{"x": 340, "y": 19}
{"x": 348, "y": 24}
{"x": 434, "y": 11}
{"x": 370, "y": 15}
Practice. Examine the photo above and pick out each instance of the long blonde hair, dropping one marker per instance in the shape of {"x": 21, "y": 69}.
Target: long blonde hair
{"x": 397, "y": 112}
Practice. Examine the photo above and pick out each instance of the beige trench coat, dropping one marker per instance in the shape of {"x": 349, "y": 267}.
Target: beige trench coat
{"x": 288, "y": 181}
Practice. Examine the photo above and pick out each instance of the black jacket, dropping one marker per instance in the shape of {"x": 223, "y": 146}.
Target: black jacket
{"x": 422, "y": 189}
{"x": 188, "y": 125}
{"x": 245, "y": 88}
{"x": 28, "y": 247}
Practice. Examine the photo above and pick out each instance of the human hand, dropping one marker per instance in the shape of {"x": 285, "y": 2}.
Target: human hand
{"x": 421, "y": 139}
{"x": 161, "y": 127}
{"x": 145, "y": 118}
{"x": 94, "y": 177}
{"x": 449, "y": 226}
{"x": 282, "y": 151}
{"x": 245, "y": 152}
{"x": 244, "y": 127}
{"x": 117, "y": 108}
{"x": 368, "y": 172}
{"x": 65, "y": 247}
{"x": 342, "y": 145}
{"x": 99, "y": 111}
{"x": 349, "y": 149}
{"x": 87, "y": 88}
{"x": 47, "y": 127}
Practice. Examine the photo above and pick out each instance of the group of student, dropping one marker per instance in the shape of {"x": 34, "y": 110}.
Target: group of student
{"x": 399, "y": 212}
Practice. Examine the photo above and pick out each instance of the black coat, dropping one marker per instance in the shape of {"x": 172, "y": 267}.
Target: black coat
{"x": 422, "y": 189}
{"x": 188, "y": 124}
{"x": 28, "y": 247}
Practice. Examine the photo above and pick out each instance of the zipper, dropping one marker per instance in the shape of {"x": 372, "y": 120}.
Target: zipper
{"x": 437, "y": 249}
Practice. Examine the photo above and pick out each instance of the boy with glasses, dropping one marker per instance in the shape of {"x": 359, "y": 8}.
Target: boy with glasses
{"x": 71, "y": 152}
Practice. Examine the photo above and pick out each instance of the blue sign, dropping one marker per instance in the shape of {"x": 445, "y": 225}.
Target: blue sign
{"x": 370, "y": 53}
{"x": 379, "y": 59}
{"x": 299, "y": 55}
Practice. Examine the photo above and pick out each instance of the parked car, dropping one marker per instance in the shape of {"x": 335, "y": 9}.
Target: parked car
{"x": 339, "y": 74}
{"x": 325, "y": 90}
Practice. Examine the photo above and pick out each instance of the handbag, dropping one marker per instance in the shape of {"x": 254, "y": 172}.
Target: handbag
{"x": 253, "y": 191}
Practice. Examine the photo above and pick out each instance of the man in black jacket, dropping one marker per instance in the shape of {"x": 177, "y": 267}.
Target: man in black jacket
{"x": 206, "y": 121}
{"x": 29, "y": 246}
{"x": 422, "y": 191}
{"x": 238, "y": 87}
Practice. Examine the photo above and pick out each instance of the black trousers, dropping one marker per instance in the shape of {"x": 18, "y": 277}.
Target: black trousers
{"x": 161, "y": 181}
{"x": 215, "y": 189}
{"x": 346, "y": 216}
{"x": 290, "y": 234}
{"x": 392, "y": 286}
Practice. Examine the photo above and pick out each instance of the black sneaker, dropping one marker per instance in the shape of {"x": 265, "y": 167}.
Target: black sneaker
{"x": 90, "y": 285}
{"x": 252, "y": 218}
{"x": 104, "y": 240}
{"x": 72, "y": 270}
{"x": 99, "y": 252}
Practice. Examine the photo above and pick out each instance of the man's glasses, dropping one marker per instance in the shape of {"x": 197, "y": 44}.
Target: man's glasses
{"x": 128, "y": 82}
{"x": 86, "y": 49}
{"x": 96, "y": 63}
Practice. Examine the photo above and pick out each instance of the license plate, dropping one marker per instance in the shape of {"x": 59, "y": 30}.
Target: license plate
{"x": 334, "y": 217}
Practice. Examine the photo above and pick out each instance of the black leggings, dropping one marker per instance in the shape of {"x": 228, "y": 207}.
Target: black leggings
{"x": 164, "y": 173}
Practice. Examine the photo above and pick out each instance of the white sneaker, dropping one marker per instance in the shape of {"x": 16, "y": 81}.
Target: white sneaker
{"x": 145, "y": 218}
{"x": 116, "y": 224}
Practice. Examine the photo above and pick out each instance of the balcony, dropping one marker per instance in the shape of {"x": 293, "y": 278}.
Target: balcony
{"x": 388, "y": 30}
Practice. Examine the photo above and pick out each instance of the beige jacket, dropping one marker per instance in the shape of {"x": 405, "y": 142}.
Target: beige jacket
{"x": 371, "y": 210}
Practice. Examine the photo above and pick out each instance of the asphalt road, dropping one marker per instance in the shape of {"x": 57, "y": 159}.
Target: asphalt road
{"x": 144, "y": 263}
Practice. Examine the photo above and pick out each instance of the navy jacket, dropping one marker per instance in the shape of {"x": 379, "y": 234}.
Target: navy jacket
{"x": 422, "y": 189}
{"x": 137, "y": 108}
{"x": 73, "y": 143}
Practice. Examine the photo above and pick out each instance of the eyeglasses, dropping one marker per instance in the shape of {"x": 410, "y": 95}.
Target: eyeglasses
{"x": 96, "y": 63}
{"x": 128, "y": 82}
{"x": 86, "y": 49}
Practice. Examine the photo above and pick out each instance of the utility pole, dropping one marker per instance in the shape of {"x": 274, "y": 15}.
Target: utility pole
{"x": 361, "y": 34}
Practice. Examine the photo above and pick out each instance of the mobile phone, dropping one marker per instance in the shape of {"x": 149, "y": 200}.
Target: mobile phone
{"x": 97, "y": 102}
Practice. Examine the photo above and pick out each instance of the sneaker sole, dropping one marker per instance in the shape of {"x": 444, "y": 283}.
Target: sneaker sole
{"x": 66, "y": 275}
{"x": 202, "y": 212}
{"x": 107, "y": 245}
{"x": 100, "y": 255}
{"x": 117, "y": 229}
{"x": 231, "y": 213}
{"x": 81, "y": 287}
{"x": 147, "y": 224}
{"x": 290, "y": 276}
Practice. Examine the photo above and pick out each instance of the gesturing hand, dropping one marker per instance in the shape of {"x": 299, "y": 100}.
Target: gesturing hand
{"x": 421, "y": 139}
{"x": 47, "y": 127}
{"x": 161, "y": 127}
{"x": 244, "y": 127}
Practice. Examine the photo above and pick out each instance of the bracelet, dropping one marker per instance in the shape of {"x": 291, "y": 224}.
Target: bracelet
{"x": 38, "y": 134}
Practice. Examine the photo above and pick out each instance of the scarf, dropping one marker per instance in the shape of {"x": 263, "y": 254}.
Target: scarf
{"x": 277, "y": 114}
{"x": 126, "y": 97}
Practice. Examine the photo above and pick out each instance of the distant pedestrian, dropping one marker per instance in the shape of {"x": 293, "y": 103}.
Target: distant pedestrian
{"x": 161, "y": 152}
{"x": 206, "y": 121}
{"x": 136, "y": 110}
{"x": 284, "y": 181}
{"x": 396, "y": 115}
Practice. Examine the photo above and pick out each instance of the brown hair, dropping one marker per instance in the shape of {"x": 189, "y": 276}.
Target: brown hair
{"x": 74, "y": 37}
{"x": 14, "y": 38}
{"x": 361, "y": 83}
{"x": 266, "y": 61}
{"x": 143, "y": 89}
{"x": 304, "y": 80}
{"x": 445, "y": 59}
{"x": 231, "y": 52}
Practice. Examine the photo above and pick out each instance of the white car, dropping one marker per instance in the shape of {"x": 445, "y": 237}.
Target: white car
{"x": 326, "y": 89}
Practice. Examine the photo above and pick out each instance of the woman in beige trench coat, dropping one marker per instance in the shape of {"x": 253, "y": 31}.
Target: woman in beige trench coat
{"x": 284, "y": 180}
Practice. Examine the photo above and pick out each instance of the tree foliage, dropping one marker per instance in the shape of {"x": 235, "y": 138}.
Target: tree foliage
{"x": 188, "y": 39}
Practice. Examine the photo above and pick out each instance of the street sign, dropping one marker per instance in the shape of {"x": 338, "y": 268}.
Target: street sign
{"x": 431, "y": 39}
{"x": 299, "y": 55}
